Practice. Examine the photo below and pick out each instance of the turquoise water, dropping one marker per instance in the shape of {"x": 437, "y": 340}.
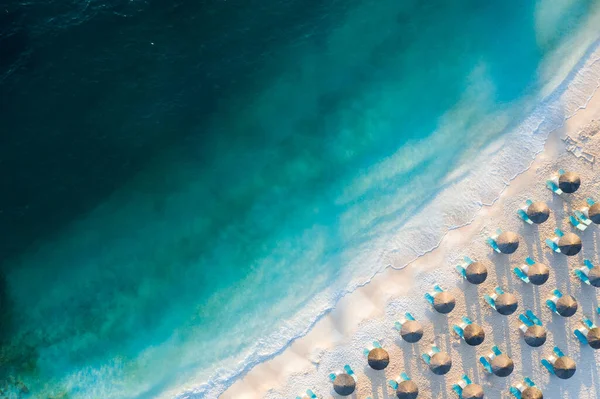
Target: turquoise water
{"x": 250, "y": 220}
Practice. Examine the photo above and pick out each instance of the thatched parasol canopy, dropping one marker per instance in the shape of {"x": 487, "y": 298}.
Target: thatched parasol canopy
{"x": 378, "y": 358}
{"x": 535, "y": 336}
{"x": 411, "y": 331}
{"x": 566, "y": 306}
{"x": 569, "y": 182}
{"x": 476, "y": 273}
{"x": 538, "y": 212}
{"x": 594, "y": 213}
{"x": 474, "y": 334}
{"x": 344, "y": 384}
{"x": 569, "y": 244}
{"x": 407, "y": 390}
{"x": 593, "y": 338}
{"x": 538, "y": 273}
{"x": 506, "y": 304}
{"x": 532, "y": 393}
{"x": 508, "y": 242}
{"x": 502, "y": 366}
{"x": 594, "y": 276}
{"x": 472, "y": 391}
{"x": 440, "y": 363}
{"x": 444, "y": 302}
{"x": 565, "y": 367}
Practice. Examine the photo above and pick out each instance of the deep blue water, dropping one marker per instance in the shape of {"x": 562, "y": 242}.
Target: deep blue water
{"x": 181, "y": 178}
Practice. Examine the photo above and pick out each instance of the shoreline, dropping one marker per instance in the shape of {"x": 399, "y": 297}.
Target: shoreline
{"x": 297, "y": 356}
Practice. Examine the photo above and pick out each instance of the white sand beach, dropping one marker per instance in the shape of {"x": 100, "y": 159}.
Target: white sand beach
{"x": 369, "y": 313}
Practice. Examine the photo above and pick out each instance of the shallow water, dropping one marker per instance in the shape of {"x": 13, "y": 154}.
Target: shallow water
{"x": 189, "y": 180}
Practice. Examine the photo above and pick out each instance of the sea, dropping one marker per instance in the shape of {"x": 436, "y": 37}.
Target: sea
{"x": 189, "y": 186}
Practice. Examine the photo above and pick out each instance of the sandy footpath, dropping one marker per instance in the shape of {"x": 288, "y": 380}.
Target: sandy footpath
{"x": 368, "y": 313}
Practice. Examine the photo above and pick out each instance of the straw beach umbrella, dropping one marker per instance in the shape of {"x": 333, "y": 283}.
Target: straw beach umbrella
{"x": 594, "y": 277}
{"x": 538, "y": 273}
{"x": 474, "y": 334}
{"x": 566, "y": 306}
{"x": 506, "y": 304}
{"x": 538, "y": 212}
{"x": 444, "y": 302}
{"x": 565, "y": 367}
{"x": 472, "y": 391}
{"x": 476, "y": 273}
{"x": 569, "y": 182}
{"x": 535, "y": 336}
{"x": 532, "y": 393}
{"x": 411, "y": 331}
{"x": 593, "y": 338}
{"x": 594, "y": 213}
{"x": 407, "y": 390}
{"x": 569, "y": 244}
{"x": 440, "y": 363}
{"x": 378, "y": 358}
{"x": 507, "y": 242}
{"x": 344, "y": 384}
{"x": 502, "y": 365}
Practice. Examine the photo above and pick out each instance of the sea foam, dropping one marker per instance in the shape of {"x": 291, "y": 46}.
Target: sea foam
{"x": 401, "y": 240}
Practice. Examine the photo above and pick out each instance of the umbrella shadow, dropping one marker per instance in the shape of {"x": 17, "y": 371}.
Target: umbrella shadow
{"x": 588, "y": 376}
{"x": 596, "y": 240}
{"x": 409, "y": 353}
{"x": 559, "y": 326}
{"x": 535, "y": 249}
{"x": 472, "y": 303}
{"x": 588, "y": 252}
{"x": 378, "y": 383}
{"x": 527, "y": 367}
{"x": 470, "y": 360}
{"x": 503, "y": 269}
{"x": 438, "y": 386}
{"x": 561, "y": 271}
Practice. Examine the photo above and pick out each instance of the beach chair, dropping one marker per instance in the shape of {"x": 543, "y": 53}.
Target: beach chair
{"x": 497, "y": 363}
{"x": 562, "y": 305}
{"x": 588, "y": 333}
{"x": 472, "y": 271}
{"x": 526, "y": 388}
{"x": 308, "y": 395}
{"x": 402, "y": 377}
{"x": 564, "y": 243}
{"x": 563, "y": 182}
{"x": 532, "y": 272}
{"x": 559, "y": 365}
{"x": 466, "y": 388}
{"x": 589, "y": 274}
{"x": 344, "y": 381}
{"x": 503, "y": 302}
{"x": 503, "y": 242}
{"x": 534, "y": 212}
{"x": 377, "y": 357}
{"x": 469, "y": 332}
{"x": 404, "y": 386}
{"x": 441, "y": 300}
{"x": 438, "y": 362}
{"x": 532, "y": 328}
{"x": 583, "y": 217}
{"x": 410, "y": 329}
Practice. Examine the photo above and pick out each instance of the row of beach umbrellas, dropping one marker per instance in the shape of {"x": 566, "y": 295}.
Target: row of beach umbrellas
{"x": 505, "y": 303}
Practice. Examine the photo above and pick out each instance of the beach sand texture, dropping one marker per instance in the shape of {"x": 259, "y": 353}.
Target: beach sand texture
{"x": 369, "y": 313}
